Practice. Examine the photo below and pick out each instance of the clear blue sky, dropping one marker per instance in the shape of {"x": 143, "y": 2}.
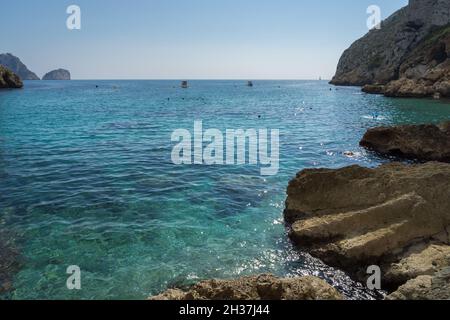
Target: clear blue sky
{"x": 192, "y": 39}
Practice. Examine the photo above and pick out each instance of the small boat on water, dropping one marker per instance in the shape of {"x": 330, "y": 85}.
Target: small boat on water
{"x": 184, "y": 84}
{"x": 249, "y": 84}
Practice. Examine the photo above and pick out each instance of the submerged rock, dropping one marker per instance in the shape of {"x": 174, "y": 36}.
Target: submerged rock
{"x": 395, "y": 216}
{"x": 15, "y": 65}
{"x": 421, "y": 142}
{"x": 9, "y": 261}
{"x": 262, "y": 287}
{"x": 59, "y": 74}
{"x": 9, "y": 79}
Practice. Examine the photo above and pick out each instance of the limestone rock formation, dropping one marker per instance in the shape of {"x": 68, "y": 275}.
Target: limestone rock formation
{"x": 262, "y": 287}
{"x": 396, "y": 216}
{"x": 15, "y": 65}
{"x": 59, "y": 74}
{"x": 418, "y": 142}
{"x": 426, "y": 70}
{"x": 409, "y": 54}
{"x": 8, "y": 79}
{"x": 435, "y": 287}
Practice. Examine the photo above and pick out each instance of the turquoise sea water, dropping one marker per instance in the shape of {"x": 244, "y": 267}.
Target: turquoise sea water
{"x": 86, "y": 179}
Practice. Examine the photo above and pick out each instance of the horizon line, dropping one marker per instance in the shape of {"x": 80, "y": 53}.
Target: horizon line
{"x": 184, "y": 79}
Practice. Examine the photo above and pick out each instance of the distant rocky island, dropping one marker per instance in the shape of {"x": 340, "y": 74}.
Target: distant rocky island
{"x": 408, "y": 57}
{"x": 59, "y": 74}
{"x": 14, "y": 64}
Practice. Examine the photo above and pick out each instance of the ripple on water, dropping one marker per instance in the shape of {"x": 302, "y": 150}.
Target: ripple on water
{"x": 88, "y": 180}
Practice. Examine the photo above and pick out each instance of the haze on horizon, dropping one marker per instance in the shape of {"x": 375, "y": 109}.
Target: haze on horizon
{"x": 191, "y": 39}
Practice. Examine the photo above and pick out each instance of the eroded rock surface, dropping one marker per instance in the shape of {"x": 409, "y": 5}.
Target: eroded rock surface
{"x": 8, "y": 79}
{"x": 396, "y": 216}
{"x": 263, "y": 287}
{"x": 436, "y": 287}
{"x": 421, "y": 142}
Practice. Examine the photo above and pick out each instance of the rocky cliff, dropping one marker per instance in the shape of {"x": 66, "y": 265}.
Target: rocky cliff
{"x": 412, "y": 47}
{"x": 9, "y": 79}
{"x": 427, "y": 142}
{"x": 59, "y": 74}
{"x": 15, "y": 65}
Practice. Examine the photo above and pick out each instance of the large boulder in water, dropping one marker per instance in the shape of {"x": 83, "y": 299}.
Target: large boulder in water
{"x": 59, "y": 74}
{"x": 396, "y": 216}
{"x": 262, "y": 287}
{"x": 421, "y": 142}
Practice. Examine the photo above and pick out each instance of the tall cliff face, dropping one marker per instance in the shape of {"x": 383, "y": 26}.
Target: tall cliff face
{"x": 15, "y": 65}
{"x": 377, "y": 57}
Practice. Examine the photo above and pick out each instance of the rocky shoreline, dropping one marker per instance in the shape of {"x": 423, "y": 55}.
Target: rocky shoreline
{"x": 262, "y": 287}
{"x": 396, "y": 216}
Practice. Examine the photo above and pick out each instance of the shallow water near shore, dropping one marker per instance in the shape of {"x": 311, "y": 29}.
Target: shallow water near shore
{"x": 86, "y": 179}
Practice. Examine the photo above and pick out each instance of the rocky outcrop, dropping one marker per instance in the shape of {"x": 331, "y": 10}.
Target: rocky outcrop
{"x": 15, "y": 65}
{"x": 435, "y": 287}
{"x": 396, "y": 216}
{"x": 8, "y": 79}
{"x": 409, "y": 54}
{"x": 59, "y": 74}
{"x": 373, "y": 89}
{"x": 417, "y": 142}
{"x": 262, "y": 287}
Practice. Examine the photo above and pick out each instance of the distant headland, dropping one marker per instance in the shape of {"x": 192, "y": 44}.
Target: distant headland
{"x": 409, "y": 56}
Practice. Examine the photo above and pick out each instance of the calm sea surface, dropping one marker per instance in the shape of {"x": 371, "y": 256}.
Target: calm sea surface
{"x": 86, "y": 179}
